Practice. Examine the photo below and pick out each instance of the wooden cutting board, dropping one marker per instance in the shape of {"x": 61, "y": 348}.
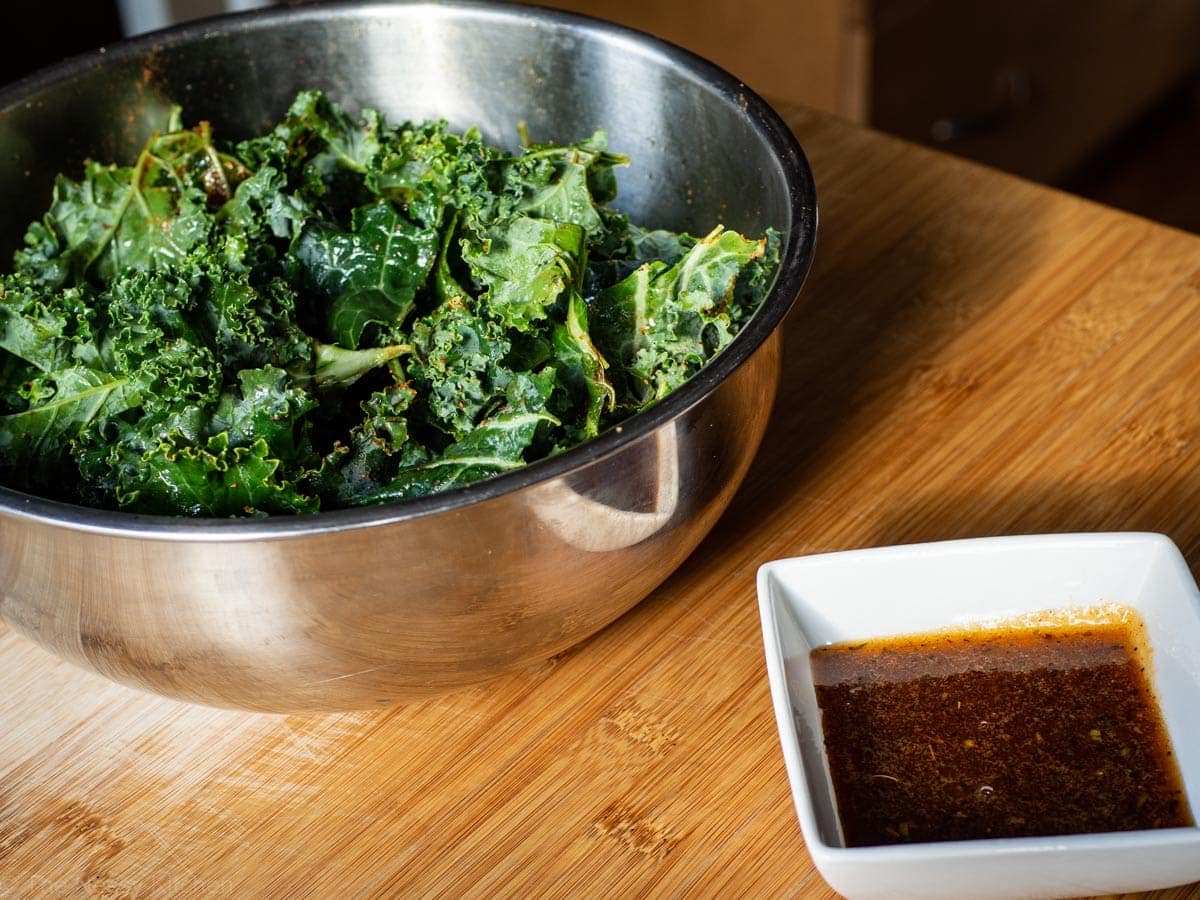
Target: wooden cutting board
{"x": 973, "y": 355}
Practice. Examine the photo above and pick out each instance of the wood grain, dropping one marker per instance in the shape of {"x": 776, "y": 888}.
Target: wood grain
{"x": 973, "y": 355}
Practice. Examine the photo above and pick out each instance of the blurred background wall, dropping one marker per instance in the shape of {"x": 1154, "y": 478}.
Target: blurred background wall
{"x": 140, "y": 16}
{"x": 1100, "y": 97}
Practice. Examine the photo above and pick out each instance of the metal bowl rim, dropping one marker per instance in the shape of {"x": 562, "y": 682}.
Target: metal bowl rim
{"x": 795, "y": 255}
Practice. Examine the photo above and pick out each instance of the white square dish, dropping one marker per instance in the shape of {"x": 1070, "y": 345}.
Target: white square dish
{"x": 813, "y": 601}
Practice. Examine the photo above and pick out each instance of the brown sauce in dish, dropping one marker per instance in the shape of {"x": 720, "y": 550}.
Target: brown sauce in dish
{"x": 1002, "y": 733}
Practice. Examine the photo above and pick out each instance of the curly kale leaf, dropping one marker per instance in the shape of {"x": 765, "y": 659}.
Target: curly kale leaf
{"x": 564, "y": 183}
{"x": 240, "y": 324}
{"x": 34, "y": 442}
{"x": 498, "y": 444}
{"x": 523, "y": 265}
{"x": 194, "y": 161}
{"x": 582, "y": 372}
{"x": 259, "y": 222}
{"x": 57, "y": 381}
{"x": 251, "y": 325}
{"x": 232, "y": 455}
{"x": 459, "y": 366}
{"x": 630, "y": 250}
{"x": 180, "y": 477}
{"x": 755, "y": 280}
{"x": 148, "y": 216}
{"x": 89, "y": 401}
{"x": 43, "y": 328}
{"x": 314, "y": 139}
{"x": 378, "y": 447}
{"x": 267, "y": 406}
{"x": 369, "y": 274}
{"x": 662, "y": 323}
{"x": 427, "y": 169}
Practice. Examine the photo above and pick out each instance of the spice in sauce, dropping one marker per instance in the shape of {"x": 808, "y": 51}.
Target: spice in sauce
{"x": 999, "y": 733}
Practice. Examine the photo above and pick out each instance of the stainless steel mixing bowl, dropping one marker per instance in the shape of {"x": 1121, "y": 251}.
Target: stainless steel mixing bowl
{"x": 349, "y": 609}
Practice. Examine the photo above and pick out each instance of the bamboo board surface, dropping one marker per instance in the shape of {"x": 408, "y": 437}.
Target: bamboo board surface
{"x": 973, "y": 355}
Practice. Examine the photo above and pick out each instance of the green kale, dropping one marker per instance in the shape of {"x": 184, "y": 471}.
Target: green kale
{"x": 497, "y": 444}
{"x": 323, "y": 152}
{"x": 178, "y": 476}
{"x": 378, "y": 447}
{"x": 564, "y": 184}
{"x": 523, "y": 265}
{"x": 368, "y": 274}
{"x": 149, "y": 216}
{"x": 340, "y": 312}
{"x": 582, "y": 371}
{"x": 458, "y": 366}
{"x": 662, "y": 323}
{"x": 433, "y": 173}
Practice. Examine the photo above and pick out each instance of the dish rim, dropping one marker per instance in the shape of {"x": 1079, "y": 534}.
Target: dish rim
{"x": 837, "y": 855}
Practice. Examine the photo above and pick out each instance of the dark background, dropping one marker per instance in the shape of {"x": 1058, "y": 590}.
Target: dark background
{"x": 88, "y": 25}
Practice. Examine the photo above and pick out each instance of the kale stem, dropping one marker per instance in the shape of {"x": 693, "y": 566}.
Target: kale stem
{"x": 336, "y": 366}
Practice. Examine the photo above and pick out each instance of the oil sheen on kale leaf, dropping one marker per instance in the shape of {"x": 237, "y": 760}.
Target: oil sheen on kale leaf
{"x": 341, "y": 312}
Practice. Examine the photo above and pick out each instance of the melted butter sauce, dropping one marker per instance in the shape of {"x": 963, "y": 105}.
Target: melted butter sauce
{"x": 1015, "y": 732}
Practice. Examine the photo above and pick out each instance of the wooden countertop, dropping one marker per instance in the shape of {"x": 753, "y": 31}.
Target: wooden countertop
{"x": 973, "y": 355}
